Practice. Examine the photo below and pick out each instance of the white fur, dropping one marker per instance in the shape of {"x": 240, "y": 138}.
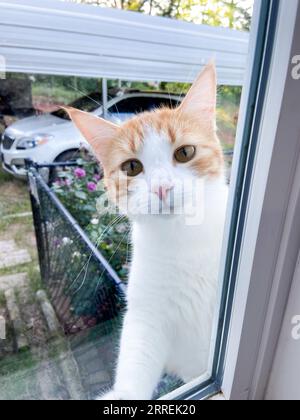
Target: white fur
{"x": 173, "y": 282}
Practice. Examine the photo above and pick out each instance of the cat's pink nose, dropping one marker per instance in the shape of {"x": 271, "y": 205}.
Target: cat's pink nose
{"x": 162, "y": 191}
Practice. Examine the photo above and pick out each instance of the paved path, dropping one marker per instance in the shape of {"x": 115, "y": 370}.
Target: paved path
{"x": 35, "y": 361}
{"x": 11, "y": 256}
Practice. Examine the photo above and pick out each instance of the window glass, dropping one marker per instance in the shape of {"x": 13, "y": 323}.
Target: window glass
{"x": 128, "y": 108}
{"x": 66, "y": 264}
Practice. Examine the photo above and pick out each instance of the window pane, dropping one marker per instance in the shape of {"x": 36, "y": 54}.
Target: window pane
{"x": 128, "y": 108}
{"x": 67, "y": 260}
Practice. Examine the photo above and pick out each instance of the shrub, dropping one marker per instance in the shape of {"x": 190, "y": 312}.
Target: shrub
{"x": 79, "y": 189}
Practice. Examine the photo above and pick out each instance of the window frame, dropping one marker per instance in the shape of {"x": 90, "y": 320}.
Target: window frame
{"x": 270, "y": 243}
{"x": 245, "y": 346}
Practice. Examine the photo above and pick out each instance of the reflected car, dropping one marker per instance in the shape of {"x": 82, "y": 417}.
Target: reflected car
{"x": 51, "y": 138}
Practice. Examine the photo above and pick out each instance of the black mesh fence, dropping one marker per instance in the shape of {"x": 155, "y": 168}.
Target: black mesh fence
{"x": 83, "y": 288}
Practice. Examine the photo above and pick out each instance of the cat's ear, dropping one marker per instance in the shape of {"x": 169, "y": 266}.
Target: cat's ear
{"x": 97, "y": 131}
{"x": 201, "y": 100}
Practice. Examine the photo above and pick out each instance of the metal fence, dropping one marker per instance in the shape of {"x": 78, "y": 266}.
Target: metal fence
{"x": 83, "y": 288}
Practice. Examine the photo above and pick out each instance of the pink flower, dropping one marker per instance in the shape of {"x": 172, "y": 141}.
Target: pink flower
{"x": 97, "y": 178}
{"x": 60, "y": 183}
{"x": 91, "y": 186}
{"x": 80, "y": 173}
{"x": 57, "y": 184}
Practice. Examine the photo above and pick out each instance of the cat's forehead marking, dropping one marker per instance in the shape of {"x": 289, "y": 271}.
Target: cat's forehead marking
{"x": 160, "y": 121}
{"x": 133, "y": 134}
{"x": 156, "y": 149}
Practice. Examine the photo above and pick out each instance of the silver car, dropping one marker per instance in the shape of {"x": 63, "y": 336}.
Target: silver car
{"x": 53, "y": 138}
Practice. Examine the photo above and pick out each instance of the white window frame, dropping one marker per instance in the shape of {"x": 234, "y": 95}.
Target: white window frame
{"x": 255, "y": 290}
{"x": 260, "y": 246}
{"x": 270, "y": 242}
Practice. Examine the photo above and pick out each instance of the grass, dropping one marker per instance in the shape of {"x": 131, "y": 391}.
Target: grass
{"x": 15, "y": 200}
{"x": 33, "y": 274}
{"x": 34, "y": 277}
{"x": 4, "y": 176}
{"x": 2, "y": 299}
{"x": 16, "y": 363}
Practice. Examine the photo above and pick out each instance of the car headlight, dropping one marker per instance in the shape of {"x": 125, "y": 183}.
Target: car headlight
{"x": 34, "y": 141}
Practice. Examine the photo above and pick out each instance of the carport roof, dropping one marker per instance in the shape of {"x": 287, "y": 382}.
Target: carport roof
{"x": 63, "y": 38}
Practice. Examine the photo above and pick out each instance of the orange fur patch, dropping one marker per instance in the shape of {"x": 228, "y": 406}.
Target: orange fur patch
{"x": 179, "y": 129}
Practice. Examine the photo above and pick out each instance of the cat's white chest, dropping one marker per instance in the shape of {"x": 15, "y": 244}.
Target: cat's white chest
{"x": 174, "y": 281}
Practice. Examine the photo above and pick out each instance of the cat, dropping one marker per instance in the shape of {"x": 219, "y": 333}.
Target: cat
{"x": 173, "y": 282}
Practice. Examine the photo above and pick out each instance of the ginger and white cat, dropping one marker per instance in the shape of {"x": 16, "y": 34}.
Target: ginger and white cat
{"x": 172, "y": 287}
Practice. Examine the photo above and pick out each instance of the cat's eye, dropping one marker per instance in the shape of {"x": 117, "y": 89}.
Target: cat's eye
{"x": 132, "y": 167}
{"x": 185, "y": 154}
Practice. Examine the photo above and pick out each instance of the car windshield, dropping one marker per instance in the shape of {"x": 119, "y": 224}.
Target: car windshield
{"x": 88, "y": 103}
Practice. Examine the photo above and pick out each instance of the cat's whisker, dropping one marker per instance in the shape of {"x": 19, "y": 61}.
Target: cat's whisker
{"x": 96, "y": 244}
{"x": 84, "y": 94}
{"x": 109, "y": 261}
{"x": 118, "y": 113}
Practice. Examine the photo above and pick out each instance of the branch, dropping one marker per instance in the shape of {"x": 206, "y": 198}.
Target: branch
{"x": 150, "y": 7}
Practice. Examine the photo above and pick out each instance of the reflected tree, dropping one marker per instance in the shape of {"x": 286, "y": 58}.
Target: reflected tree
{"x": 234, "y": 14}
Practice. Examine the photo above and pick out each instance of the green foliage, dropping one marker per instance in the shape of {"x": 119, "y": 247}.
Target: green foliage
{"x": 2, "y": 299}
{"x": 106, "y": 230}
{"x": 112, "y": 233}
{"x": 175, "y": 87}
{"x": 235, "y": 14}
{"x": 63, "y": 89}
{"x": 72, "y": 186}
